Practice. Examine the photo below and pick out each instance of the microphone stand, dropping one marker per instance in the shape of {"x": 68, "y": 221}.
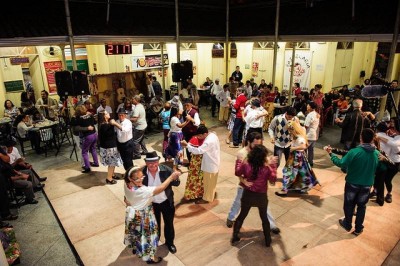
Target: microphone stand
{"x": 391, "y": 97}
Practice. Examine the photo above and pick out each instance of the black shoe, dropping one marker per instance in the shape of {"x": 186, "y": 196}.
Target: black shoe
{"x": 117, "y": 177}
{"x": 38, "y": 188}
{"x": 234, "y": 240}
{"x": 137, "y": 157}
{"x": 172, "y": 248}
{"x": 281, "y": 194}
{"x": 276, "y": 230}
{"x": 380, "y": 202}
{"x": 159, "y": 259}
{"x": 229, "y": 223}
{"x": 357, "y": 233}
{"x": 341, "y": 222}
{"x": 93, "y": 164}
{"x": 85, "y": 170}
{"x": 201, "y": 201}
{"x": 42, "y": 179}
{"x": 111, "y": 182}
{"x": 32, "y": 201}
{"x": 372, "y": 195}
{"x": 388, "y": 198}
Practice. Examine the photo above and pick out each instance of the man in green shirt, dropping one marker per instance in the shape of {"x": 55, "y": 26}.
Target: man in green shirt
{"x": 360, "y": 164}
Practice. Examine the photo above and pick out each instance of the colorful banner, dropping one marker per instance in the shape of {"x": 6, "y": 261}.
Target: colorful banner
{"x": 51, "y": 68}
{"x": 149, "y": 61}
{"x": 254, "y": 70}
{"x": 301, "y": 71}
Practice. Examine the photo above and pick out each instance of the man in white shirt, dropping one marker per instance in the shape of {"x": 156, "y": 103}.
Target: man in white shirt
{"x": 254, "y": 117}
{"x": 224, "y": 99}
{"x": 138, "y": 119}
{"x": 163, "y": 203}
{"x": 311, "y": 124}
{"x": 216, "y": 88}
{"x": 123, "y": 127}
{"x": 210, "y": 162}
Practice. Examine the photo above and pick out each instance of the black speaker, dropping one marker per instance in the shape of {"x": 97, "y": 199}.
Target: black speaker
{"x": 80, "y": 82}
{"x": 187, "y": 70}
{"x": 176, "y": 72}
{"x": 64, "y": 83}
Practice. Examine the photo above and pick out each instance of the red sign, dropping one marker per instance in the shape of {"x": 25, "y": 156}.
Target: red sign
{"x": 51, "y": 68}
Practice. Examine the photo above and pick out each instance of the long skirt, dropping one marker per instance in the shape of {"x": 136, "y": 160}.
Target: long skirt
{"x": 141, "y": 232}
{"x": 194, "y": 184}
{"x": 297, "y": 173}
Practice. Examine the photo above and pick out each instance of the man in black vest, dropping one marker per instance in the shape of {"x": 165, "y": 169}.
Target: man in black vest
{"x": 163, "y": 203}
{"x": 190, "y": 129}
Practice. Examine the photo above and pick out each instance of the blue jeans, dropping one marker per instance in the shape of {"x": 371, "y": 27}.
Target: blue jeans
{"x": 355, "y": 195}
{"x": 237, "y": 131}
{"x": 236, "y": 208}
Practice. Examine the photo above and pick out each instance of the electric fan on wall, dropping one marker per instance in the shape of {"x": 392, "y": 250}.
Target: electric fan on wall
{"x": 52, "y": 51}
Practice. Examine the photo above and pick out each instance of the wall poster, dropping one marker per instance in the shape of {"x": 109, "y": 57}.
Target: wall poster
{"x": 51, "y": 68}
{"x": 302, "y": 69}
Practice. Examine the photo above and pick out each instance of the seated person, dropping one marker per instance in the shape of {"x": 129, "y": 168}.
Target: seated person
{"x": 19, "y": 179}
{"x": 154, "y": 110}
{"x": 25, "y": 130}
{"x": 19, "y": 164}
{"x": 10, "y": 110}
{"x": 342, "y": 104}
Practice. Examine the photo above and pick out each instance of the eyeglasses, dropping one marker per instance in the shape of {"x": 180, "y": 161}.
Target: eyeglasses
{"x": 137, "y": 179}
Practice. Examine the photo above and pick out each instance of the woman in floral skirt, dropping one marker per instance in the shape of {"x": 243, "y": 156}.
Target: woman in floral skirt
{"x": 194, "y": 184}
{"x": 141, "y": 229}
{"x": 297, "y": 173}
{"x": 109, "y": 155}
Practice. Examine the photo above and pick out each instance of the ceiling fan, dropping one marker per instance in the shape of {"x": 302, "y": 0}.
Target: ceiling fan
{"x": 52, "y": 51}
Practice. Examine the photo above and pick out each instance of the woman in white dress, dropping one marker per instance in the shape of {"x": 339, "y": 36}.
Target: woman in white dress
{"x": 141, "y": 229}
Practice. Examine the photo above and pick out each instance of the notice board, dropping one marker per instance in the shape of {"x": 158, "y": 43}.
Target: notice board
{"x": 14, "y": 85}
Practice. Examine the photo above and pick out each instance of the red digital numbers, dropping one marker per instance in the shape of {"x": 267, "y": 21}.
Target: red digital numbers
{"x": 116, "y": 49}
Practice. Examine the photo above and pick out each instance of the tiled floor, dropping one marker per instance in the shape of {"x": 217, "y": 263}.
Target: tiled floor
{"x": 92, "y": 215}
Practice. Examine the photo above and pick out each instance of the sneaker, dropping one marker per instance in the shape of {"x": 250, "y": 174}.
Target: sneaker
{"x": 372, "y": 194}
{"x": 357, "y": 233}
{"x": 341, "y": 222}
{"x": 388, "y": 198}
{"x": 229, "y": 223}
{"x": 275, "y": 230}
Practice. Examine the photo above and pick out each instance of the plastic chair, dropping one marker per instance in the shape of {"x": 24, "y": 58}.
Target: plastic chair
{"x": 22, "y": 141}
{"x": 47, "y": 137}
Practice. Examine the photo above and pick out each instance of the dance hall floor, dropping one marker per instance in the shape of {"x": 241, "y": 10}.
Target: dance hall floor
{"x": 92, "y": 214}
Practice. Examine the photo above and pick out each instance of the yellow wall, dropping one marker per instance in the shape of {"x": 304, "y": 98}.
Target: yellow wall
{"x": 363, "y": 59}
{"x": 244, "y": 58}
{"x": 323, "y": 64}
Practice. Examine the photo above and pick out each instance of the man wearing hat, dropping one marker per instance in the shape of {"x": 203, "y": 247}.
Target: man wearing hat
{"x": 192, "y": 115}
{"x": 123, "y": 127}
{"x": 214, "y": 91}
{"x": 163, "y": 203}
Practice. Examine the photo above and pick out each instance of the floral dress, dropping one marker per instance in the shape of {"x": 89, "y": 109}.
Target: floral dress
{"x": 194, "y": 184}
{"x": 297, "y": 173}
{"x": 141, "y": 229}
